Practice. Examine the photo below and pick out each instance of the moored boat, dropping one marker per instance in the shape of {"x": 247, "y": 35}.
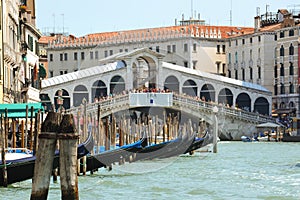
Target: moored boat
{"x": 21, "y": 165}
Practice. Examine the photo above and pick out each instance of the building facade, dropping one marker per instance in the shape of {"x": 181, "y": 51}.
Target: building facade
{"x": 19, "y": 52}
{"x": 191, "y": 44}
{"x": 270, "y": 56}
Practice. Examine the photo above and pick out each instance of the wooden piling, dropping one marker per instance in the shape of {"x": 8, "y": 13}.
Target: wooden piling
{"x": 68, "y": 141}
{"x": 4, "y": 135}
{"x": 36, "y": 131}
{"x": 44, "y": 157}
{"x": 31, "y": 128}
{"x": 107, "y": 137}
{"x": 22, "y": 134}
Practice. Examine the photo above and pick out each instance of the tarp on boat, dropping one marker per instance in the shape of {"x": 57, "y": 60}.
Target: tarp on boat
{"x": 18, "y": 110}
{"x": 269, "y": 125}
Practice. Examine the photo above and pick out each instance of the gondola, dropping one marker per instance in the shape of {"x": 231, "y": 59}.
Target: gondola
{"x": 23, "y": 168}
{"x": 199, "y": 142}
{"x": 108, "y": 158}
{"x": 166, "y": 149}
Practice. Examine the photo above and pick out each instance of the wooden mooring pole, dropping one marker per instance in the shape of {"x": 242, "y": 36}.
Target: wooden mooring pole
{"x": 68, "y": 141}
{"x": 3, "y": 139}
{"x": 45, "y": 156}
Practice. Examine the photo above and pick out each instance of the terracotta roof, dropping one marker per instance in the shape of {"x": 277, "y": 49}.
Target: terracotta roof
{"x": 270, "y": 27}
{"x": 225, "y": 31}
{"x": 152, "y": 34}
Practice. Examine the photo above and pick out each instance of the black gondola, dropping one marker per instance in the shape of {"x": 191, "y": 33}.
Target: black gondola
{"x": 23, "y": 169}
{"x": 107, "y": 158}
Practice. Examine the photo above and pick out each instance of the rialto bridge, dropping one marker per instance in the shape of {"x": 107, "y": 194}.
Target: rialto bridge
{"x": 133, "y": 71}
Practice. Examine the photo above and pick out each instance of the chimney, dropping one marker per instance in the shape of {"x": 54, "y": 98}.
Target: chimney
{"x": 256, "y": 23}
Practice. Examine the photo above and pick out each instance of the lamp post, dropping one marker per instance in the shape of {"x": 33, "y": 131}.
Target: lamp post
{"x": 215, "y": 134}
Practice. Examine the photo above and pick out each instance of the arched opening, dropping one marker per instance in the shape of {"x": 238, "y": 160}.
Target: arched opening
{"x": 243, "y": 102}
{"x": 62, "y": 99}
{"x": 225, "y": 97}
{"x": 99, "y": 90}
{"x": 80, "y": 93}
{"x": 261, "y": 105}
{"x": 117, "y": 85}
{"x": 144, "y": 72}
{"x": 172, "y": 84}
{"x": 46, "y": 102}
{"x": 190, "y": 88}
{"x": 208, "y": 93}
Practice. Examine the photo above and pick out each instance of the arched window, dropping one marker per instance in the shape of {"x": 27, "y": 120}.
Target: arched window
{"x": 291, "y": 88}
{"x": 281, "y": 50}
{"x": 282, "y": 90}
{"x": 190, "y": 88}
{"x": 207, "y": 92}
{"x": 172, "y": 84}
{"x": 282, "y": 70}
{"x": 275, "y": 89}
{"x": 275, "y": 71}
{"x": 291, "y": 69}
{"x": 291, "y": 50}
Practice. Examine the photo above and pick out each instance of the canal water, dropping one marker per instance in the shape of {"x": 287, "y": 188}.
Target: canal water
{"x": 239, "y": 170}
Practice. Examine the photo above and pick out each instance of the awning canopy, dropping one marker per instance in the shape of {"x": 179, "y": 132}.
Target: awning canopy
{"x": 18, "y": 110}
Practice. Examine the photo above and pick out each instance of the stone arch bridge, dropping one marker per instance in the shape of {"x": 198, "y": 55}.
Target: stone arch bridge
{"x": 232, "y": 122}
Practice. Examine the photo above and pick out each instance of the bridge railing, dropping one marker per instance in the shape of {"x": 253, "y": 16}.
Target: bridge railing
{"x": 110, "y": 104}
{"x": 106, "y": 105}
{"x": 197, "y": 104}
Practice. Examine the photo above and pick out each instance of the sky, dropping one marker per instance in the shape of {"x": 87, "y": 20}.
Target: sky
{"x": 93, "y": 16}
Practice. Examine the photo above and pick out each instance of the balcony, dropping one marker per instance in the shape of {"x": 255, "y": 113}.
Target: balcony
{"x": 251, "y": 63}
{"x": 236, "y": 66}
{"x": 281, "y": 59}
{"x": 243, "y": 64}
{"x": 275, "y": 81}
{"x": 291, "y": 58}
{"x": 258, "y": 62}
{"x": 281, "y": 79}
{"x": 229, "y": 65}
{"x": 258, "y": 81}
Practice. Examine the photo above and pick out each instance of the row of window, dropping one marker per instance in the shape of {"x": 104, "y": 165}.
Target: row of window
{"x": 282, "y": 34}
{"x": 244, "y": 41}
{"x": 291, "y": 70}
{"x": 95, "y": 55}
{"x": 291, "y": 33}
{"x": 282, "y": 89}
{"x": 281, "y": 51}
{"x": 291, "y": 50}
{"x": 244, "y": 73}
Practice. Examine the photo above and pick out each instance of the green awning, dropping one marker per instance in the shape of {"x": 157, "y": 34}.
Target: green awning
{"x": 18, "y": 110}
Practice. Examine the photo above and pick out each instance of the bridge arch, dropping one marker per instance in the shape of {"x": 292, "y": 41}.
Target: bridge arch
{"x": 144, "y": 71}
{"x": 171, "y": 83}
{"x": 208, "y": 92}
{"x": 261, "y": 105}
{"x": 64, "y": 94}
{"x": 80, "y": 93}
{"x": 99, "y": 89}
{"x": 190, "y": 88}
{"x": 243, "y": 101}
{"x": 117, "y": 84}
{"x": 225, "y": 97}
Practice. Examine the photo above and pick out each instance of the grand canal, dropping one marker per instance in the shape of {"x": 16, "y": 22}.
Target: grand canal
{"x": 238, "y": 171}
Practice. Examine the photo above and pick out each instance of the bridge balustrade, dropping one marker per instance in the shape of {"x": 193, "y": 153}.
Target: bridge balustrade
{"x": 121, "y": 102}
